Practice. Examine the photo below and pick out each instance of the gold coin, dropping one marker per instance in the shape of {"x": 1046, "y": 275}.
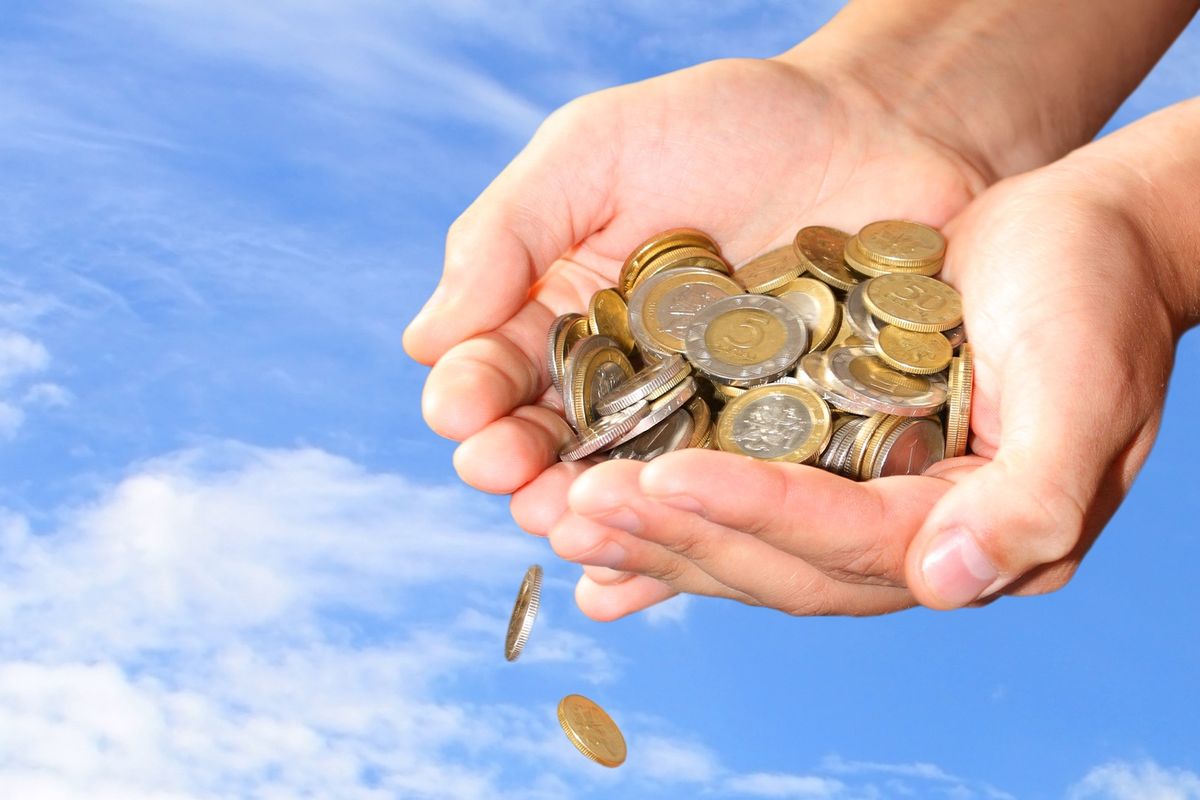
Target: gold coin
{"x": 524, "y": 613}
{"x": 918, "y": 353}
{"x": 656, "y": 245}
{"x": 701, "y": 421}
{"x": 682, "y": 257}
{"x": 846, "y": 335}
{"x": 860, "y": 262}
{"x": 775, "y": 422}
{"x": 594, "y": 369}
{"x": 744, "y": 336}
{"x": 875, "y": 445}
{"x": 591, "y": 730}
{"x": 814, "y": 303}
{"x": 559, "y": 341}
{"x": 958, "y": 414}
{"x": 914, "y": 302}
{"x": 901, "y": 243}
{"x": 821, "y": 252}
{"x": 609, "y": 316}
{"x": 762, "y": 274}
{"x": 729, "y": 392}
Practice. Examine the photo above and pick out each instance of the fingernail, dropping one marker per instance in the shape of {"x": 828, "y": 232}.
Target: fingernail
{"x": 610, "y": 555}
{"x": 622, "y": 518}
{"x": 956, "y": 568}
{"x": 682, "y": 502}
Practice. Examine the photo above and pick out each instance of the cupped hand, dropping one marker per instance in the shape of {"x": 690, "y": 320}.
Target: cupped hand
{"x": 1066, "y": 307}
{"x": 746, "y": 150}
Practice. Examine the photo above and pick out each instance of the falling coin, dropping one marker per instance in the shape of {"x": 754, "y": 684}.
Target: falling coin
{"x": 591, "y": 730}
{"x": 524, "y": 613}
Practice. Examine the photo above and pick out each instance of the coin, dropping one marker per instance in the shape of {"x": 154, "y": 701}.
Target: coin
{"x": 595, "y": 366}
{"x": 917, "y": 353}
{"x": 836, "y": 455}
{"x": 701, "y": 421}
{"x": 771, "y": 270}
{"x": 775, "y": 423}
{"x": 909, "y": 448}
{"x": 591, "y": 730}
{"x": 901, "y": 244}
{"x": 673, "y": 400}
{"x": 956, "y": 336}
{"x": 646, "y": 384}
{"x": 673, "y": 433}
{"x": 682, "y": 257}
{"x": 865, "y": 326}
{"x": 861, "y": 444}
{"x": 816, "y": 306}
{"x": 860, "y": 374}
{"x": 662, "y": 308}
{"x": 913, "y": 302}
{"x": 524, "y": 613}
{"x": 657, "y": 245}
{"x": 745, "y": 340}
{"x": 562, "y": 335}
{"x": 604, "y": 432}
{"x": 958, "y": 414}
{"x": 821, "y": 251}
{"x": 609, "y": 316}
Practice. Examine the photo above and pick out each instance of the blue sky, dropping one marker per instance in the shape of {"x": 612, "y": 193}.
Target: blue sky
{"x": 233, "y": 561}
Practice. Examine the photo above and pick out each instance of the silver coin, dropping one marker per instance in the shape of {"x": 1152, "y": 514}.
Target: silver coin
{"x": 606, "y": 377}
{"x": 915, "y": 446}
{"x": 673, "y": 433}
{"x": 604, "y": 432}
{"x": 662, "y": 408}
{"x": 859, "y": 316}
{"x": 836, "y": 457}
{"x": 862, "y": 376}
{"x": 813, "y": 372}
{"x": 647, "y": 384}
{"x": 556, "y": 345}
{"x": 671, "y": 311}
{"x": 732, "y": 358}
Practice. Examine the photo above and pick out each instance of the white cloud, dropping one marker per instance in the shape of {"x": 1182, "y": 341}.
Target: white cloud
{"x": 920, "y": 769}
{"x": 774, "y": 784}
{"x": 20, "y": 357}
{"x": 674, "y": 610}
{"x": 674, "y": 760}
{"x": 1143, "y": 780}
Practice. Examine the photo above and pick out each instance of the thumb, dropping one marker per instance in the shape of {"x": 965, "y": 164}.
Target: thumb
{"x": 548, "y": 199}
{"x": 1030, "y": 505}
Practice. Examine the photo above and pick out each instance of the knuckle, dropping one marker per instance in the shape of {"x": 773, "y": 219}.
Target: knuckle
{"x": 805, "y": 598}
{"x": 667, "y": 570}
{"x": 692, "y": 546}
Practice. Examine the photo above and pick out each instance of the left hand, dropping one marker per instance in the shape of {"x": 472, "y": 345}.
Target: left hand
{"x": 1073, "y": 339}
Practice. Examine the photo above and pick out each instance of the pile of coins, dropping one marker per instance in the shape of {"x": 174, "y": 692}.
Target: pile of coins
{"x": 840, "y": 351}
{"x": 586, "y": 725}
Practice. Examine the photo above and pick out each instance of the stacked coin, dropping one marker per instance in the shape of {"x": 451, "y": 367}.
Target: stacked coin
{"x": 840, "y": 351}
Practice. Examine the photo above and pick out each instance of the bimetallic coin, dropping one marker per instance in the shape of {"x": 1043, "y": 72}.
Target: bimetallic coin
{"x": 846, "y": 336}
{"x": 765, "y": 273}
{"x": 902, "y": 244}
{"x": 675, "y": 399}
{"x": 958, "y": 414}
{"x": 646, "y": 384}
{"x": 673, "y": 433}
{"x": 661, "y": 309}
{"x": 595, "y": 366}
{"x": 657, "y": 245}
{"x": 775, "y": 423}
{"x": 860, "y": 374}
{"x": 916, "y": 353}
{"x": 604, "y": 432}
{"x": 524, "y": 612}
{"x": 591, "y": 730}
{"x": 913, "y": 302}
{"x": 817, "y": 308}
{"x": 558, "y": 343}
{"x": 609, "y": 316}
{"x": 813, "y": 373}
{"x": 683, "y": 257}
{"x": 745, "y": 340}
{"x": 911, "y": 447}
{"x": 865, "y": 326}
{"x": 821, "y": 250}
{"x": 701, "y": 421}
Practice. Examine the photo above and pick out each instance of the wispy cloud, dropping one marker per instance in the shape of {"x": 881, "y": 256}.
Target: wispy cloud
{"x": 1140, "y": 780}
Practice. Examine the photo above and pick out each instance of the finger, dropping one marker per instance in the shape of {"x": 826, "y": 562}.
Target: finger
{"x": 512, "y": 451}
{"x": 611, "y": 494}
{"x": 605, "y": 576}
{"x": 857, "y": 532}
{"x": 537, "y": 505}
{"x": 485, "y": 378}
{"x": 605, "y": 603}
{"x": 552, "y": 195}
{"x": 585, "y": 541}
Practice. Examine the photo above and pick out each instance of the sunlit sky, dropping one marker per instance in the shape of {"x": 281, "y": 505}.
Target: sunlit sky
{"x": 234, "y": 563}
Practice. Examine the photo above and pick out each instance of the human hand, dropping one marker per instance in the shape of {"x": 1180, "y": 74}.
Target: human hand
{"x": 1072, "y": 321}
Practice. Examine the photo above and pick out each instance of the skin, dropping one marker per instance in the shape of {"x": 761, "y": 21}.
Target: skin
{"x": 717, "y": 147}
